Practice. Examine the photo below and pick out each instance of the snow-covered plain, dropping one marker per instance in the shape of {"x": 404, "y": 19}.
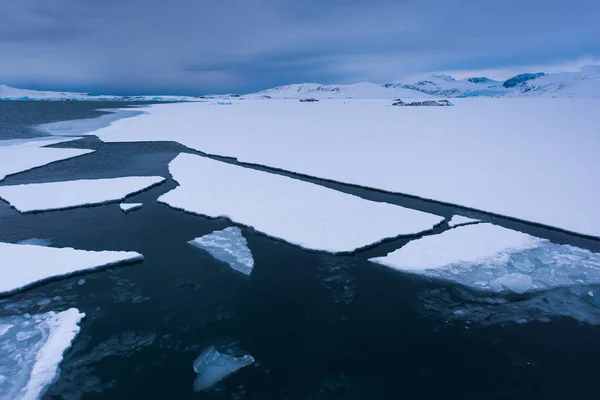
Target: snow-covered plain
{"x": 531, "y": 159}
{"x": 491, "y": 258}
{"x": 228, "y": 245}
{"x": 22, "y": 265}
{"x": 31, "y": 351}
{"x": 69, "y": 194}
{"x": 213, "y": 366}
{"x": 298, "y": 212}
{"x": 127, "y": 207}
{"x": 24, "y": 154}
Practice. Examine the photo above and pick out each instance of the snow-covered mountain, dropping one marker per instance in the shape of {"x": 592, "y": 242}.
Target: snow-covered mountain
{"x": 585, "y": 83}
{"x": 318, "y": 91}
{"x": 11, "y": 93}
{"x": 447, "y": 86}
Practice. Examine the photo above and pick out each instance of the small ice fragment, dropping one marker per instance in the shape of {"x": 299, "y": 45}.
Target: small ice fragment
{"x": 212, "y": 367}
{"x": 81, "y": 282}
{"x": 545, "y": 258}
{"x": 460, "y": 220}
{"x": 24, "y": 335}
{"x": 126, "y": 207}
{"x": 518, "y": 283}
{"x": 524, "y": 265}
{"x": 43, "y": 302}
{"x": 4, "y": 328}
{"x": 228, "y": 245}
{"x": 591, "y": 294}
{"x": 36, "y": 241}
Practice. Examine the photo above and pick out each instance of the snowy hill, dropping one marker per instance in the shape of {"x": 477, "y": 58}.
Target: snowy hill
{"x": 362, "y": 90}
{"x": 11, "y": 93}
{"x": 447, "y": 86}
{"x": 585, "y": 83}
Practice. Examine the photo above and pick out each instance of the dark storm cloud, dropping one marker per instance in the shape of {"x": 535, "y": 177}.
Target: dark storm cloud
{"x": 184, "y": 46}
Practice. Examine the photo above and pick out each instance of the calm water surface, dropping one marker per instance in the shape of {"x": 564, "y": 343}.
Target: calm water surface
{"x": 319, "y": 326}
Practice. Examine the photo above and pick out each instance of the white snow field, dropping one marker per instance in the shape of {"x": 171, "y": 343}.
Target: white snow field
{"x": 24, "y": 154}
{"x": 69, "y": 194}
{"x": 457, "y": 220}
{"x": 213, "y": 366}
{"x": 22, "y": 265}
{"x": 32, "y": 350}
{"x": 127, "y": 207}
{"x": 491, "y": 258}
{"x": 228, "y": 245}
{"x": 531, "y": 159}
{"x": 301, "y": 213}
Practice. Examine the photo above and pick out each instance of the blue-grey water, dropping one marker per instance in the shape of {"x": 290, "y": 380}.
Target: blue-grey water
{"x": 319, "y": 326}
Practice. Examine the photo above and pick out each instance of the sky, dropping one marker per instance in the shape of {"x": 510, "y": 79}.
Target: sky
{"x": 240, "y": 46}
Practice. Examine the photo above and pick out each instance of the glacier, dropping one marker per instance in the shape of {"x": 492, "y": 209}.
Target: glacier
{"x": 213, "y": 366}
{"x": 229, "y": 246}
{"x": 23, "y": 265}
{"x": 487, "y": 257}
{"x": 298, "y": 212}
{"x": 31, "y": 350}
{"x": 69, "y": 194}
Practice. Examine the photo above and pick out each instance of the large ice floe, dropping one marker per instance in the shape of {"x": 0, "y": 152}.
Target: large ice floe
{"x": 298, "y": 212}
{"x": 24, "y": 154}
{"x": 22, "y": 265}
{"x": 213, "y": 366}
{"x": 69, "y": 194}
{"x": 491, "y": 258}
{"x": 228, "y": 245}
{"x": 435, "y": 153}
{"x": 31, "y": 350}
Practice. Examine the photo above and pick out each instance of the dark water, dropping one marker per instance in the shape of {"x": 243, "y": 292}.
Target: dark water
{"x": 319, "y": 326}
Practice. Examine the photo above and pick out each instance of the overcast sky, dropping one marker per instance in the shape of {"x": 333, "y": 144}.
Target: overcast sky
{"x": 217, "y": 46}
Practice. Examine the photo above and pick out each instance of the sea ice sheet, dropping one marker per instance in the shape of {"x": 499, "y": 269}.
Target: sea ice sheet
{"x": 461, "y": 220}
{"x": 212, "y": 367}
{"x": 228, "y": 245}
{"x": 32, "y": 350}
{"x": 22, "y": 265}
{"x": 298, "y": 212}
{"x": 484, "y": 154}
{"x": 126, "y": 207}
{"x": 22, "y": 155}
{"x": 491, "y": 258}
{"x": 69, "y": 194}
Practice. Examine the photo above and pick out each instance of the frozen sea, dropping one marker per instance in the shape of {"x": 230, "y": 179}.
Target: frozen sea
{"x": 319, "y": 326}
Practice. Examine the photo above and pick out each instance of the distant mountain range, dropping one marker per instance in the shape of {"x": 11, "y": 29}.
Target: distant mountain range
{"x": 585, "y": 83}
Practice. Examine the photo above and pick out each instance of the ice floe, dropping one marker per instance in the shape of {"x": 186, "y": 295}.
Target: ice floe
{"x": 25, "y": 154}
{"x": 213, "y": 366}
{"x": 228, "y": 245}
{"x": 298, "y": 212}
{"x": 69, "y": 194}
{"x": 457, "y": 220}
{"x": 484, "y": 154}
{"x": 32, "y": 350}
{"x": 22, "y": 265}
{"x": 491, "y": 258}
{"x": 126, "y": 207}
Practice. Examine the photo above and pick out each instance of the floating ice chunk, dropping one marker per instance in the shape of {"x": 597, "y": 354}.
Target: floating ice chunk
{"x": 36, "y": 241}
{"x": 212, "y": 367}
{"x": 69, "y": 194}
{"x": 491, "y": 258}
{"x": 228, "y": 245}
{"x": 460, "y": 220}
{"x": 298, "y": 212}
{"x": 4, "y": 328}
{"x": 25, "y": 154}
{"x": 24, "y": 265}
{"x": 29, "y": 362}
{"x": 126, "y": 207}
{"x": 517, "y": 283}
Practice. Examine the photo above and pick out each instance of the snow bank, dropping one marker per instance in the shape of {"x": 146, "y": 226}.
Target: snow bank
{"x": 32, "y": 350}
{"x": 24, "y": 154}
{"x": 212, "y": 367}
{"x": 69, "y": 194}
{"x": 298, "y": 212}
{"x": 22, "y": 265}
{"x": 126, "y": 207}
{"x": 531, "y": 159}
{"x": 492, "y": 258}
{"x": 460, "y": 220}
{"x": 228, "y": 245}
